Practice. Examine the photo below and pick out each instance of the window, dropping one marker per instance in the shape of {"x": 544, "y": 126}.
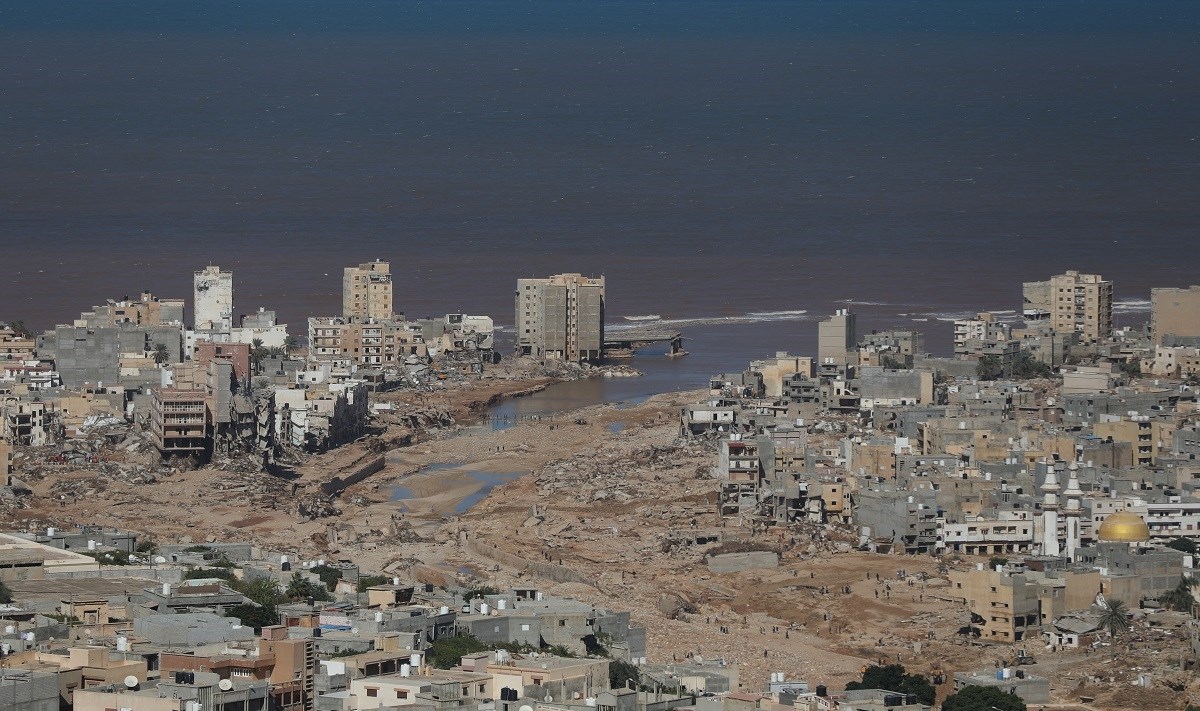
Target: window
{"x": 372, "y": 691}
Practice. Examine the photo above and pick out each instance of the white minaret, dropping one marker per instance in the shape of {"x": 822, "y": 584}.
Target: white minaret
{"x": 1073, "y": 511}
{"x": 1050, "y": 513}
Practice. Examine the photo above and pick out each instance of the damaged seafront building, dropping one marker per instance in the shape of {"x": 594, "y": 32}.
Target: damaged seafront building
{"x": 224, "y": 384}
{"x": 1081, "y": 471}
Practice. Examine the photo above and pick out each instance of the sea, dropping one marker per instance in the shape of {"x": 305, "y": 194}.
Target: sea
{"x": 740, "y": 169}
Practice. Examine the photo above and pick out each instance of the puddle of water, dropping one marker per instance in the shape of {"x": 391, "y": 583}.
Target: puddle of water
{"x": 490, "y": 481}
{"x": 616, "y": 427}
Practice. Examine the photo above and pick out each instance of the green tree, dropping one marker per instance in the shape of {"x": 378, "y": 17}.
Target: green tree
{"x": 300, "y": 588}
{"x": 205, "y": 573}
{"x": 447, "y": 652}
{"x": 983, "y": 698}
{"x": 479, "y": 592}
{"x": 1115, "y": 621}
{"x": 256, "y": 616}
{"x": 894, "y": 678}
{"x": 1026, "y": 366}
{"x": 21, "y": 329}
{"x": 160, "y": 354}
{"x": 621, "y": 672}
{"x": 5, "y": 594}
{"x": 370, "y": 581}
{"x": 1186, "y": 545}
{"x": 263, "y": 591}
{"x": 257, "y": 353}
{"x": 328, "y": 575}
{"x": 989, "y": 368}
{"x": 1180, "y": 598}
{"x": 290, "y": 344}
{"x": 1131, "y": 368}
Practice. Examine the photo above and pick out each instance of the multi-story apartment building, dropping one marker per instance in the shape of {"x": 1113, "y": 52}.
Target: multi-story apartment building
{"x": 147, "y": 310}
{"x": 739, "y": 473}
{"x": 367, "y": 291}
{"x": 212, "y": 299}
{"x": 561, "y": 318}
{"x": 1175, "y": 315}
{"x": 23, "y": 423}
{"x": 972, "y": 336}
{"x": 1072, "y": 302}
{"x": 1015, "y": 605}
{"x": 1149, "y": 437}
{"x": 15, "y": 346}
{"x": 369, "y": 343}
{"x": 179, "y": 421}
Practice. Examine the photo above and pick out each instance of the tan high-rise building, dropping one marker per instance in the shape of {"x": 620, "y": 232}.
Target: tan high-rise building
{"x": 1175, "y": 312}
{"x": 561, "y": 318}
{"x": 1072, "y": 302}
{"x": 367, "y": 291}
{"x": 836, "y": 338}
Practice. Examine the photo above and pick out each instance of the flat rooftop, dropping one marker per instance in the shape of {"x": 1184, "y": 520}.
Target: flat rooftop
{"x": 67, "y": 588}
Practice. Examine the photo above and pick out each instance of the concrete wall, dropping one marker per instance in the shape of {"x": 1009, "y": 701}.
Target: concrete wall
{"x": 557, "y": 573}
{"x": 737, "y": 562}
{"x": 339, "y": 484}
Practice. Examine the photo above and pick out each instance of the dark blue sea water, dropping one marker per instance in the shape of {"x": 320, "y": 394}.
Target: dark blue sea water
{"x": 712, "y": 159}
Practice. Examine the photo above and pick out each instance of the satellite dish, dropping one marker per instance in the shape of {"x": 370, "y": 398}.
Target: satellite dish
{"x": 525, "y": 708}
{"x": 549, "y": 698}
{"x": 225, "y": 685}
{"x": 131, "y": 681}
{"x": 160, "y": 560}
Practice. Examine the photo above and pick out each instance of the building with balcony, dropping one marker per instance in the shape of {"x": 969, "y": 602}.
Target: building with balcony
{"x": 367, "y": 291}
{"x": 1072, "y": 302}
{"x": 179, "y": 421}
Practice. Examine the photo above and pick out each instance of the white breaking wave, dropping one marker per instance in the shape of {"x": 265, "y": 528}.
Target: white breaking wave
{"x": 775, "y": 314}
{"x": 647, "y": 317}
{"x": 854, "y": 302}
{"x": 1129, "y": 306}
{"x": 750, "y": 317}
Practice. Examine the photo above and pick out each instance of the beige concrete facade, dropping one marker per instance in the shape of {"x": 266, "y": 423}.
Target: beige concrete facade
{"x": 1149, "y": 438}
{"x": 1174, "y": 312}
{"x": 179, "y": 421}
{"x": 561, "y": 318}
{"x": 1015, "y": 606}
{"x": 368, "y": 343}
{"x": 6, "y": 460}
{"x": 367, "y": 291}
{"x": 1072, "y": 302}
{"x": 836, "y": 339}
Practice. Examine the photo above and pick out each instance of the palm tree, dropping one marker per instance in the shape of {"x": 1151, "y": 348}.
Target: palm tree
{"x": 1180, "y": 598}
{"x": 256, "y": 353}
{"x": 160, "y": 354}
{"x": 1115, "y": 620}
{"x": 290, "y": 344}
{"x": 21, "y": 329}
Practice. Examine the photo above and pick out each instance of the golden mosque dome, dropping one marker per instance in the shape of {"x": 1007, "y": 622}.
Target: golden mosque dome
{"x": 1124, "y": 527}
